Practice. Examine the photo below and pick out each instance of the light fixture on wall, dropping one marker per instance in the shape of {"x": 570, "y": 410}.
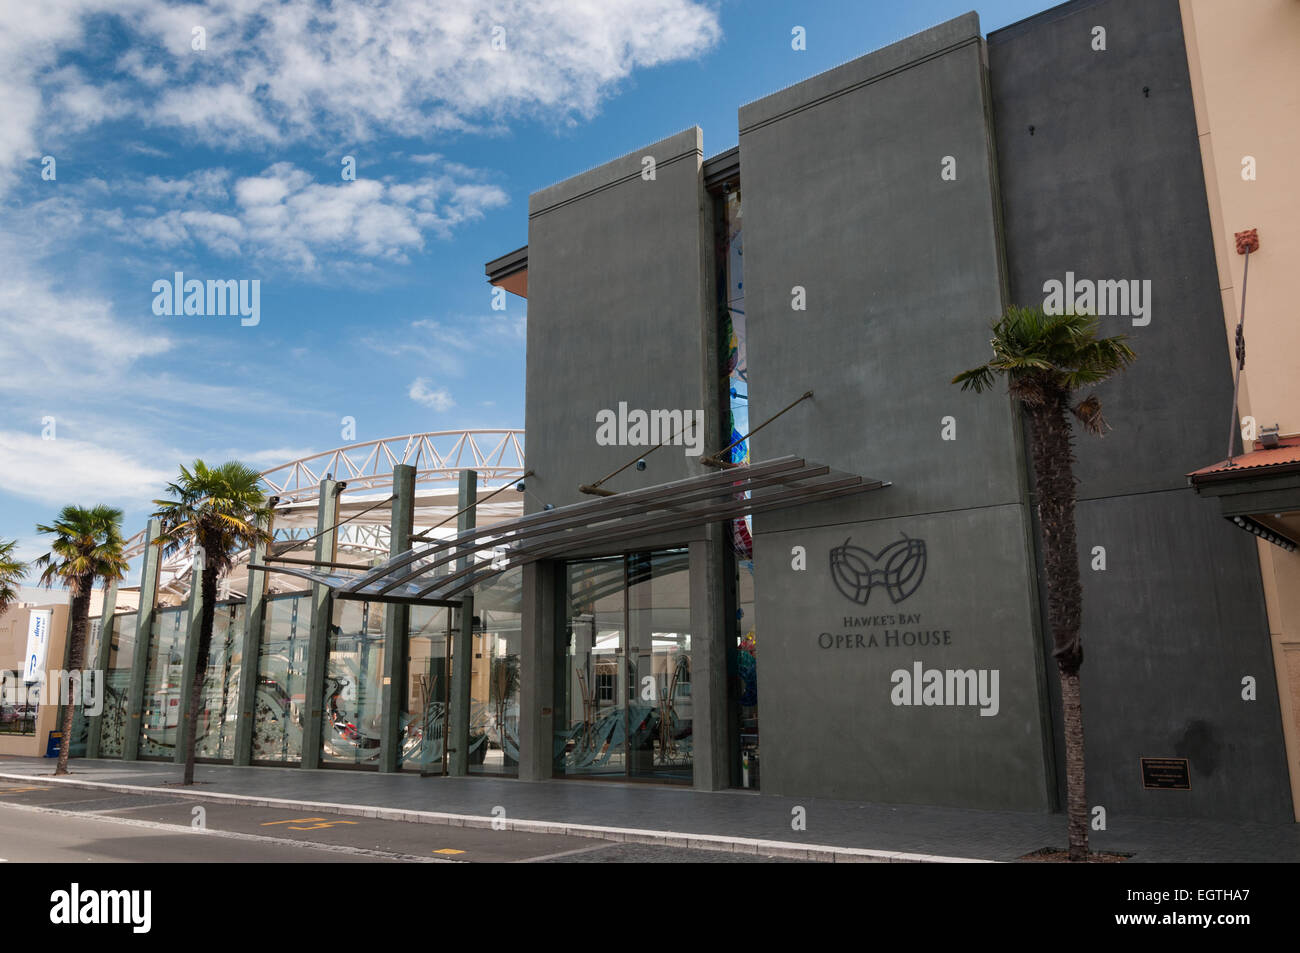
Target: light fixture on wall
{"x": 1265, "y": 533}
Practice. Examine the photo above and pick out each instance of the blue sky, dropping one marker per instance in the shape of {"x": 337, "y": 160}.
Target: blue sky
{"x": 225, "y": 162}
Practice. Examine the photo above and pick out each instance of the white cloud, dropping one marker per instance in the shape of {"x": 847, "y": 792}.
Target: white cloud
{"x": 266, "y": 459}
{"x": 284, "y": 215}
{"x": 202, "y": 184}
{"x": 421, "y": 393}
{"x": 56, "y": 340}
{"x": 62, "y": 471}
{"x": 445, "y": 346}
{"x": 344, "y": 71}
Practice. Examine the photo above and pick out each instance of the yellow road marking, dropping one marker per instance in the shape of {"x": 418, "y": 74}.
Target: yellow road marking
{"x": 304, "y": 821}
{"x": 449, "y": 850}
{"x": 293, "y": 820}
{"x": 21, "y": 790}
{"x": 318, "y": 827}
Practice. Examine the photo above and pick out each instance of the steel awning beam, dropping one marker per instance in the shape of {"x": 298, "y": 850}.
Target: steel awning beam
{"x": 846, "y": 487}
{"x": 733, "y": 488}
{"x": 695, "y": 501}
{"x": 587, "y": 511}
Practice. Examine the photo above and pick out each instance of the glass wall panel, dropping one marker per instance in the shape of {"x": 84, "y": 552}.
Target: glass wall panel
{"x": 660, "y": 715}
{"x": 427, "y": 687}
{"x": 590, "y": 738}
{"x": 80, "y": 723}
{"x": 494, "y": 682}
{"x": 219, "y": 706}
{"x": 354, "y": 677}
{"x": 117, "y": 686}
{"x": 160, "y": 719}
{"x": 282, "y": 679}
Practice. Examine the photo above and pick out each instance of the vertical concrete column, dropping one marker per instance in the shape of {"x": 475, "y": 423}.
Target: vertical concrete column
{"x": 321, "y": 617}
{"x": 250, "y": 647}
{"x": 462, "y": 654}
{"x": 150, "y": 563}
{"x": 100, "y": 666}
{"x": 537, "y": 652}
{"x": 397, "y": 619}
{"x": 191, "y": 657}
{"x": 709, "y": 634}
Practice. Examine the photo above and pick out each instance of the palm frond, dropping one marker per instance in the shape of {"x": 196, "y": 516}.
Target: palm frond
{"x": 1045, "y": 357}
{"x": 87, "y": 548}
{"x": 220, "y": 508}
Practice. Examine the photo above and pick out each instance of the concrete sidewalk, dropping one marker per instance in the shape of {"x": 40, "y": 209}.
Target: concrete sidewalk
{"x": 727, "y": 820}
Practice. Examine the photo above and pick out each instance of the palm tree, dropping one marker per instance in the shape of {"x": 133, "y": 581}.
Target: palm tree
{"x": 12, "y": 571}
{"x": 220, "y": 511}
{"x": 87, "y": 548}
{"x": 1045, "y": 359}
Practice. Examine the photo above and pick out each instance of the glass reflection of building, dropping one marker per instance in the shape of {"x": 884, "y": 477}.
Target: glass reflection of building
{"x": 80, "y": 723}
{"x": 352, "y": 700}
{"x": 117, "y": 686}
{"x": 494, "y": 683}
{"x": 427, "y": 688}
{"x": 219, "y": 706}
{"x": 353, "y": 695}
{"x": 161, "y": 717}
{"x": 627, "y": 669}
{"x": 282, "y": 679}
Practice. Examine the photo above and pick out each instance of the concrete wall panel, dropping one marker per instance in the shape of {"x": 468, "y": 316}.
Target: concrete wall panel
{"x": 844, "y": 194}
{"x": 1110, "y": 185}
{"x": 619, "y": 310}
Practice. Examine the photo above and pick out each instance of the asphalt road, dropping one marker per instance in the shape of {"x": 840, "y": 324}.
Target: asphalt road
{"x": 54, "y": 823}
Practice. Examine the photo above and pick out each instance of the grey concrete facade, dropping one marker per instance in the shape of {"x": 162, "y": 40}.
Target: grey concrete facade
{"x": 892, "y": 208}
{"x": 620, "y": 315}
{"x": 845, "y": 197}
{"x": 620, "y": 312}
{"x": 904, "y": 199}
{"x": 1177, "y": 618}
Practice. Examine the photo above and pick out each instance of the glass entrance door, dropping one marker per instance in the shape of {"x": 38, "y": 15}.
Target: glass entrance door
{"x": 427, "y": 690}
{"x": 627, "y": 667}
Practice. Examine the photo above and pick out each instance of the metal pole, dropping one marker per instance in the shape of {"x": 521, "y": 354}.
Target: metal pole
{"x": 1241, "y": 360}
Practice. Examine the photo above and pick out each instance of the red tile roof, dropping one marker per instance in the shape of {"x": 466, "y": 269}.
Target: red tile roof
{"x": 1285, "y": 454}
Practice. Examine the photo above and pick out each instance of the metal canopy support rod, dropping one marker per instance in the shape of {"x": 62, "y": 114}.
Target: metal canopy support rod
{"x": 423, "y": 537}
{"x": 594, "y": 489}
{"x": 332, "y": 528}
{"x": 714, "y": 459}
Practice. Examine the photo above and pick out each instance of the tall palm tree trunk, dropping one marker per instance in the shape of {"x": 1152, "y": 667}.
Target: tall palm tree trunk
{"x": 206, "y": 617}
{"x": 1053, "y": 453}
{"x": 80, "y": 609}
